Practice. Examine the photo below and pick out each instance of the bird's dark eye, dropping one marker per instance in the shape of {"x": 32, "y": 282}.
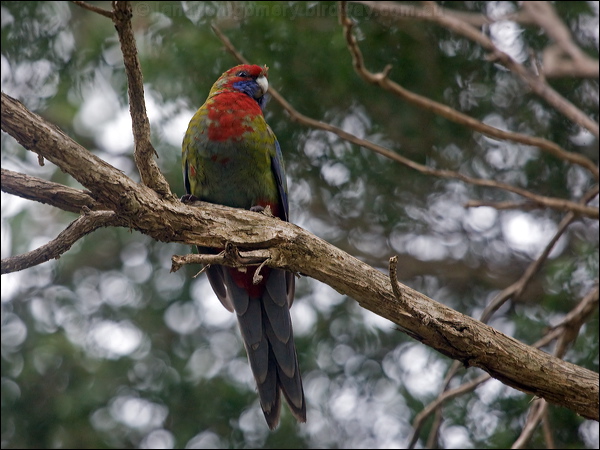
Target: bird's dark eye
{"x": 242, "y": 73}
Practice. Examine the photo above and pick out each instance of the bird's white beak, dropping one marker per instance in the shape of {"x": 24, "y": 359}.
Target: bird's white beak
{"x": 264, "y": 85}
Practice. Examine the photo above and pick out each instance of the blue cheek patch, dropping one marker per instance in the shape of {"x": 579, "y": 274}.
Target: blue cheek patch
{"x": 250, "y": 88}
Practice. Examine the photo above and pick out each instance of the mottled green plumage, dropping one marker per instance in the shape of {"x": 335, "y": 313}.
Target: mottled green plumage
{"x": 231, "y": 157}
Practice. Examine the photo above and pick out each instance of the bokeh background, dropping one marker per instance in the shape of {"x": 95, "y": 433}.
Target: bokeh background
{"x": 105, "y": 348}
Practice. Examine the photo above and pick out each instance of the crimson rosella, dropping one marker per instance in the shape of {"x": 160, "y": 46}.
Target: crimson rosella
{"x": 231, "y": 157}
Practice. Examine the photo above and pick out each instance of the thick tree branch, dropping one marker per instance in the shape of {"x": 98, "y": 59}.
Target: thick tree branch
{"x": 106, "y": 184}
{"x": 82, "y": 226}
{"x": 33, "y": 188}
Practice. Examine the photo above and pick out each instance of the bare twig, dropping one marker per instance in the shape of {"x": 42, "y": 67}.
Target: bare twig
{"x": 432, "y": 12}
{"x": 577, "y": 317}
{"x": 144, "y": 150}
{"x": 382, "y": 80}
{"x": 556, "y": 63}
{"x": 257, "y": 277}
{"x": 250, "y": 258}
{"x": 89, "y": 7}
{"x": 572, "y": 321}
{"x": 523, "y": 206}
{"x": 537, "y": 410}
{"x": 82, "y": 226}
{"x": 547, "y": 430}
{"x": 420, "y": 418}
{"x": 514, "y": 290}
{"x": 544, "y": 15}
{"x": 518, "y": 287}
{"x": 478, "y": 19}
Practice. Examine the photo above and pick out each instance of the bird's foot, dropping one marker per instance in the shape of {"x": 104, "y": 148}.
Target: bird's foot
{"x": 266, "y": 210}
{"x": 189, "y": 198}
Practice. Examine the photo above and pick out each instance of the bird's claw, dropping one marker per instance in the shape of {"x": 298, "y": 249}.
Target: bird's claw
{"x": 189, "y": 198}
{"x": 266, "y": 210}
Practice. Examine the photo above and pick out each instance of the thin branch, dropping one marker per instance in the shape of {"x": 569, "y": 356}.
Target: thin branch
{"x": 433, "y": 437}
{"x": 518, "y": 287}
{"x": 396, "y": 286}
{"x": 433, "y": 13}
{"x": 523, "y": 206}
{"x": 101, "y": 11}
{"x": 178, "y": 261}
{"x": 143, "y": 148}
{"x": 257, "y": 277}
{"x": 382, "y": 80}
{"x": 48, "y": 192}
{"x": 514, "y": 290}
{"x": 555, "y": 63}
{"x": 549, "y": 202}
{"x": 251, "y": 258}
{"x": 82, "y": 226}
{"x": 109, "y": 185}
{"x": 438, "y": 417}
{"x": 577, "y": 318}
{"x": 573, "y": 320}
{"x": 539, "y": 409}
{"x": 478, "y": 19}
{"x": 420, "y": 418}
{"x": 547, "y": 430}
{"x": 544, "y": 15}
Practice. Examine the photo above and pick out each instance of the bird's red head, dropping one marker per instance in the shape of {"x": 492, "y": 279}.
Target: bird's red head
{"x": 246, "y": 70}
{"x": 247, "y": 78}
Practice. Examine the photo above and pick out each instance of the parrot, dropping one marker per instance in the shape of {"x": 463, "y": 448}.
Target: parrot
{"x": 230, "y": 156}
